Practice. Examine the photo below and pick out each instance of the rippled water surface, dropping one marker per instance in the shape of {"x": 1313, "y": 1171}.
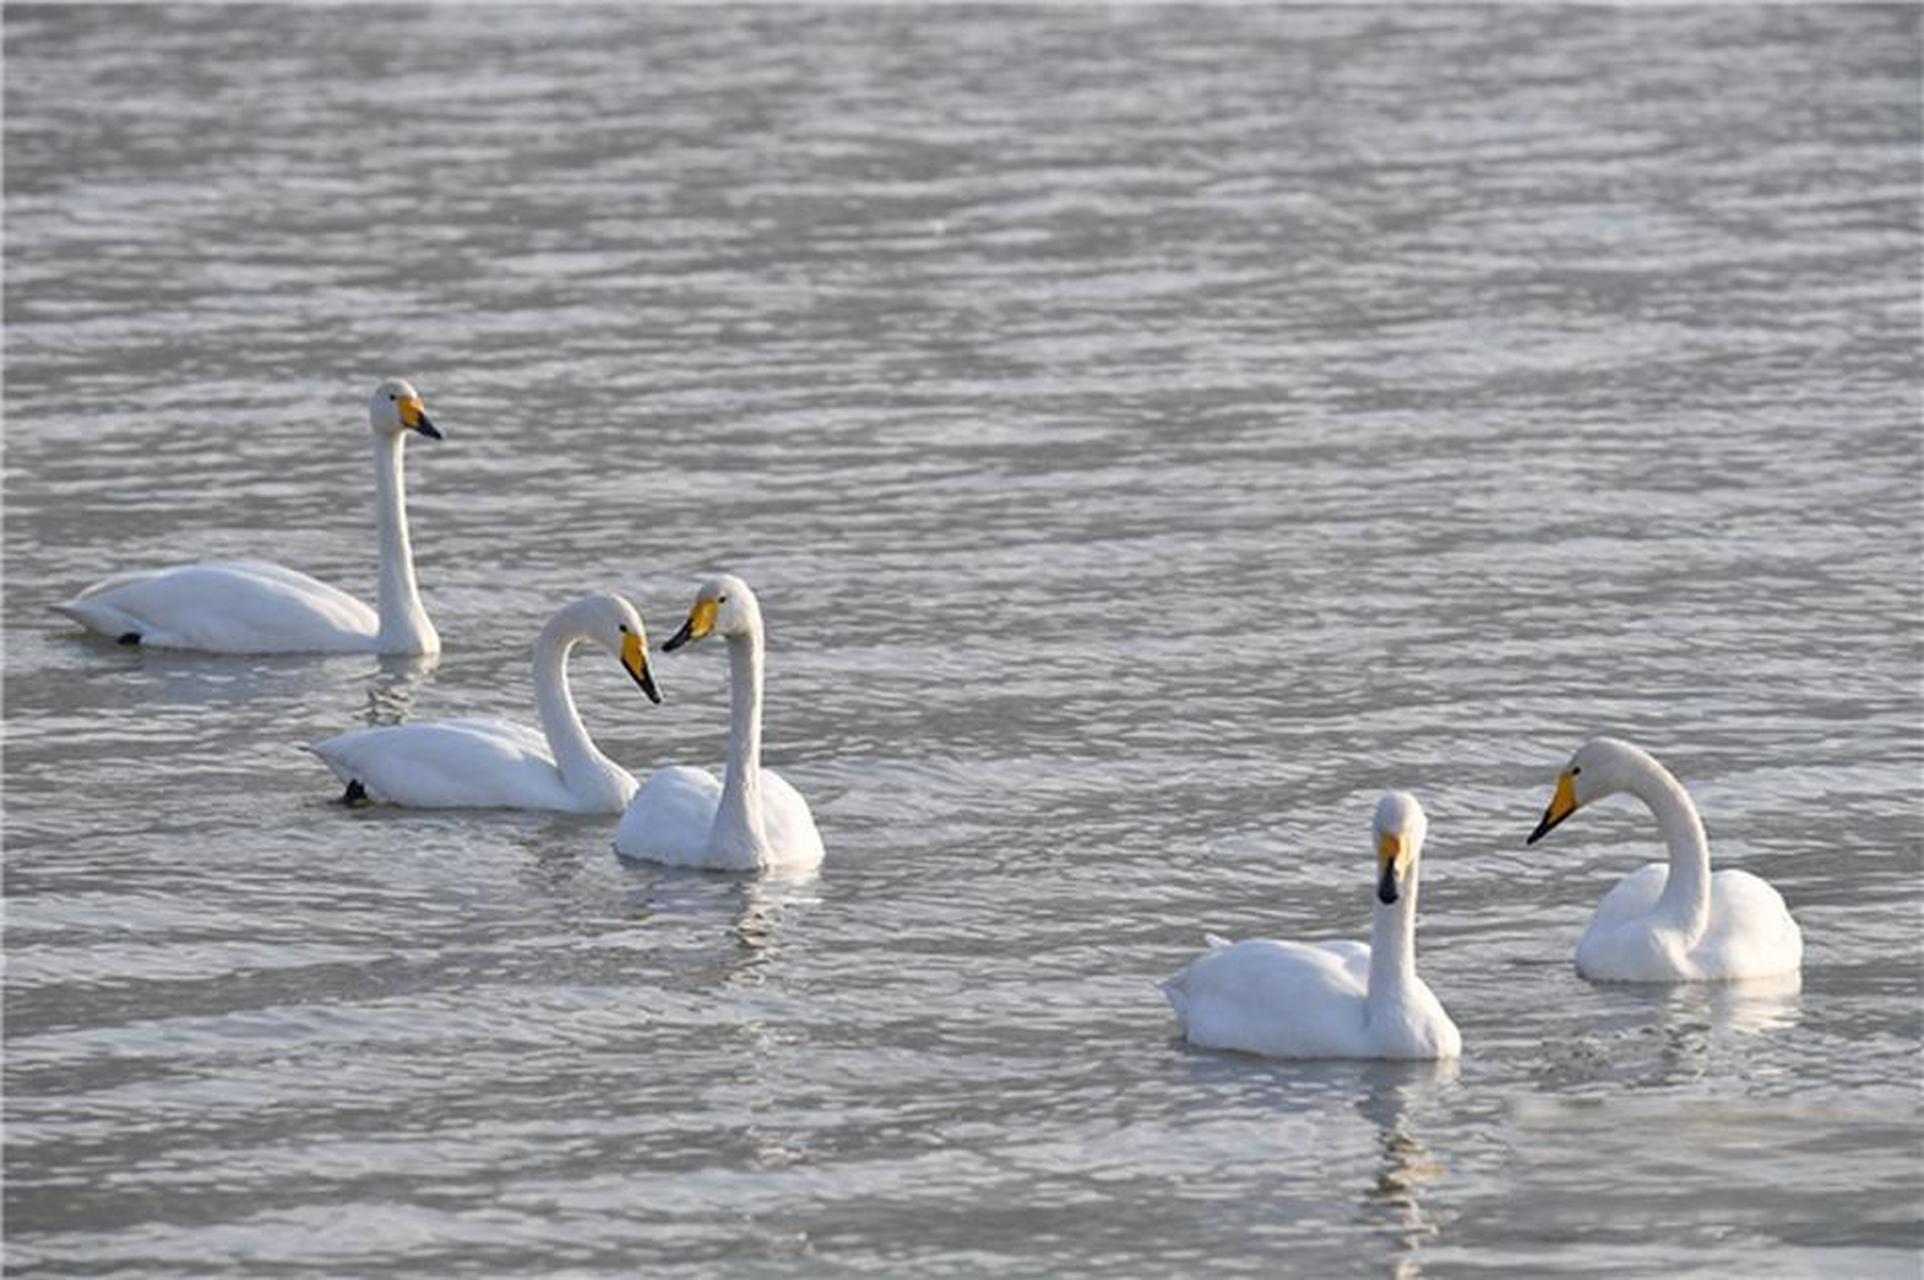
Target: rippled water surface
{"x": 1152, "y": 432}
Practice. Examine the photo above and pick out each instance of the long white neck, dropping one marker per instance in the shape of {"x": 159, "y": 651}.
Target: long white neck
{"x": 1393, "y": 952}
{"x": 1686, "y": 892}
{"x": 738, "y": 825}
{"x": 404, "y": 622}
{"x": 585, "y": 772}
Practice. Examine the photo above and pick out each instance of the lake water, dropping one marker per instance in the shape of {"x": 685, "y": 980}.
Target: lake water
{"x": 1152, "y": 432}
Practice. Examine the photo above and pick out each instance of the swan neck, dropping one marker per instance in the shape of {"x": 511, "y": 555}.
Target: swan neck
{"x": 404, "y": 622}
{"x": 575, "y": 754}
{"x": 738, "y": 816}
{"x": 1393, "y": 950}
{"x": 1686, "y": 890}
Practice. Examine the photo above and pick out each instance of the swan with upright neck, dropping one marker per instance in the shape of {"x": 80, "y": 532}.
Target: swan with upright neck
{"x": 460, "y": 764}
{"x": 751, "y": 819}
{"x": 1674, "y": 921}
{"x": 1328, "y": 999}
{"x": 253, "y": 606}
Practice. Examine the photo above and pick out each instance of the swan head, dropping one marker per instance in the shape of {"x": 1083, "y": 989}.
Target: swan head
{"x": 724, "y": 606}
{"x": 1400, "y": 826}
{"x": 613, "y": 623}
{"x": 395, "y": 408}
{"x": 1601, "y": 767}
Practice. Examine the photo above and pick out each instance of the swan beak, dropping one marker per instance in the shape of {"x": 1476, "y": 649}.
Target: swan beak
{"x": 1562, "y": 805}
{"x": 414, "y": 416}
{"x": 1389, "y": 852}
{"x": 701, "y": 623}
{"x": 634, "y": 659}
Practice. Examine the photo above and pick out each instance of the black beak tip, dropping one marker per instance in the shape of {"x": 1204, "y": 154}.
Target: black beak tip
{"x": 428, "y": 429}
{"x": 646, "y": 679}
{"x": 1386, "y": 894}
{"x": 1544, "y": 828}
{"x": 676, "y": 641}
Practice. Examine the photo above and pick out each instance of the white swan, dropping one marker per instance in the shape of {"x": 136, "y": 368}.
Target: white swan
{"x": 1329, "y": 999}
{"x": 458, "y": 764}
{"x": 1674, "y": 923}
{"x": 251, "y": 606}
{"x": 751, "y": 818}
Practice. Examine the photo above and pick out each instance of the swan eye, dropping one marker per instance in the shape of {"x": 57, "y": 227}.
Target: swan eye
{"x": 1575, "y": 770}
{"x": 622, "y": 627}
{"x": 721, "y": 599}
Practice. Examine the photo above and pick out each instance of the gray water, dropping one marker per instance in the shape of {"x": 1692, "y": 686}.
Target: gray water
{"x": 1152, "y": 432}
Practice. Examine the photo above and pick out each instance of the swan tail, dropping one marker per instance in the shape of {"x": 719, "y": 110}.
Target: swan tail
{"x": 1175, "y": 989}
{"x": 329, "y": 753}
{"x": 1216, "y": 941}
{"x": 103, "y": 619}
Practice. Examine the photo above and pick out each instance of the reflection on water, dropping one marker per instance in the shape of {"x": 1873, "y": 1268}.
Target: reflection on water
{"x": 1407, "y": 1166}
{"x": 1660, "y": 1036}
{"x": 757, "y": 908}
{"x": 178, "y": 678}
{"x": 390, "y": 692}
{"x": 1755, "y": 1006}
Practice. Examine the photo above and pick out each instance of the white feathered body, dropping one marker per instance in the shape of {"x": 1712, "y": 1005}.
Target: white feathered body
{"x": 228, "y": 606}
{"x": 1750, "y": 933}
{"x": 1305, "y": 1000}
{"x": 672, "y": 821}
{"x": 459, "y": 764}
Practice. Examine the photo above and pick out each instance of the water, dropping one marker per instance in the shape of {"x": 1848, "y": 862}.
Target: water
{"x": 1152, "y": 432}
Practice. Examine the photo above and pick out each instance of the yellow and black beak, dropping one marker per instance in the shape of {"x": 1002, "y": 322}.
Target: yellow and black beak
{"x": 1389, "y": 857}
{"x": 700, "y": 624}
{"x": 1562, "y": 805}
{"x": 414, "y": 416}
{"x": 634, "y": 660}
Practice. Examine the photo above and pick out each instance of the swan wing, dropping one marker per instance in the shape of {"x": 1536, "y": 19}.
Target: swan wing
{"x": 449, "y": 764}
{"x": 234, "y": 606}
{"x": 1283, "y": 999}
{"x": 793, "y": 840}
{"x": 1631, "y": 898}
{"x": 1353, "y": 956}
{"x": 1622, "y": 943}
{"x": 1751, "y": 933}
{"x": 670, "y": 819}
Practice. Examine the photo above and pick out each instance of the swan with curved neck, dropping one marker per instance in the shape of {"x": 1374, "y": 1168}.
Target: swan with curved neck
{"x": 1674, "y": 921}
{"x": 1329, "y": 999}
{"x": 458, "y": 764}
{"x": 750, "y": 819}
{"x": 253, "y": 606}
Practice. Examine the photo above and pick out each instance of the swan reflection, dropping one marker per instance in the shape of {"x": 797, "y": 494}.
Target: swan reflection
{"x": 1657, "y": 1036}
{"x": 756, "y": 909}
{"x": 391, "y": 689}
{"x": 1406, "y": 1166}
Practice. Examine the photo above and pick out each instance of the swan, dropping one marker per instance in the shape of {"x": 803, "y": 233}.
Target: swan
{"x": 1327, "y": 999}
{"x": 1674, "y": 923}
{"x": 252, "y": 606}
{"x": 459, "y": 764}
{"x": 751, "y": 818}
